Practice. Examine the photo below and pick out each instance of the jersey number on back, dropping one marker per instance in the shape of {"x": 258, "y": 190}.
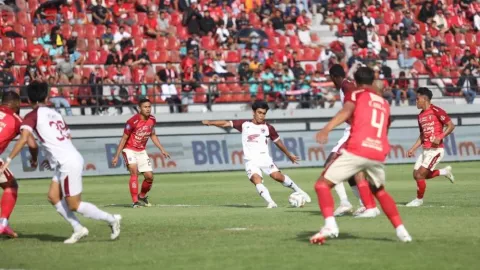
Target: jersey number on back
{"x": 378, "y": 123}
{"x": 60, "y": 126}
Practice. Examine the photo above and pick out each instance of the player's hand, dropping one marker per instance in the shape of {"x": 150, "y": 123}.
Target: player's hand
{"x": 294, "y": 159}
{"x": 114, "y": 161}
{"x": 435, "y": 140}
{"x": 165, "y": 154}
{"x": 206, "y": 122}
{"x": 410, "y": 153}
{"x": 4, "y": 167}
{"x": 322, "y": 137}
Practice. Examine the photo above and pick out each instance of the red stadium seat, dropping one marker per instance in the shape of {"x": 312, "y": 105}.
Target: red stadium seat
{"x": 151, "y": 45}
{"x": 101, "y": 29}
{"x": 309, "y": 54}
{"x": 92, "y": 58}
{"x": 182, "y": 32}
{"x": 294, "y": 42}
{"x": 315, "y": 38}
{"x": 309, "y": 68}
{"x": 92, "y": 44}
{"x": 81, "y": 45}
{"x": 138, "y": 41}
{"x": 80, "y": 29}
{"x": 175, "y": 18}
{"x": 383, "y": 29}
{"x": 163, "y": 56}
{"x": 20, "y": 58}
{"x": 23, "y": 18}
{"x": 20, "y": 44}
{"x": 419, "y": 67}
{"x": 200, "y": 95}
{"x": 90, "y": 31}
{"x": 233, "y": 57}
{"x": 459, "y": 37}
{"x": 398, "y": 16}
{"x": 173, "y": 44}
{"x": 66, "y": 30}
{"x": 470, "y": 39}
{"x": 153, "y": 55}
{"x": 137, "y": 30}
{"x": 449, "y": 39}
{"x": 102, "y": 58}
{"x": 389, "y": 17}
{"x": 30, "y": 30}
{"x": 208, "y": 43}
{"x": 18, "y": 28}
{"x": 7, "y": 44}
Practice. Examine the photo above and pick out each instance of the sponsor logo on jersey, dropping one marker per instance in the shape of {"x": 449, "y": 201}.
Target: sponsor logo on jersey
{"x": 253, "y": 137}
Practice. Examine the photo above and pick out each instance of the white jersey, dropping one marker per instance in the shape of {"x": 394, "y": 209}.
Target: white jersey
{"x": 346, "y": 133}
{"x": 54, "y": 134}
{"x": 255, "y": 139}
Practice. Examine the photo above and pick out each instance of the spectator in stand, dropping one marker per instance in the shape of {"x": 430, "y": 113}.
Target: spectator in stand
{"x": 168, "y": 72}
{"x": 368, "y": 19}
{"x": 6, "y": 26}
{"x": 292, "y": 14}
{"x": 468, "y": 85}
{"x": 242, "y": 21}
{"x": 107, "y": 39}
{"x": 325, "y": 58}
{"x": 101, "y": 15}
{"x": 266, "y": 11}
{"x": 96, "y": 80}
{"x": 278, "y": 23}
{"x": 48, "y": 13}
{"x": 222, "y": 34}
{"x": 32, "y": 72}
{"x": 170, "y": 5}
{"x": 142, "y": 5}
{"x": 394, "y": 37}
{"x": 303, "y": 84}
{"x": 407, "y": 20}
{"x": 417, "y": 51}
{"x": 298, "y": 70}
{"x": 267, "y": 79}
{"x": 144, "y": 55}
{"x": 121, "y": 15}
{"x": 207, "y": 25}
{"x": 193, "y": 46}
{"x": 56, "y": 53}
{"x": 243, "y": 69}
{"x": 2, "y": 59}
{"x": 426, "y": 12}
{"x": 44, "y": 39}
{"x": 70, "y": 14}
{"x": 212, "y": 92}
{"x": 151, "y": 26}
{"x": 9, "y": 62}
{"x": 397, "y": 4}
{"x": 207, "y": 65}
{"x": 113, "y": 58}
{"x": 402, "y": 91}
{"x": 170, "y": 95}
{"x": 441, "y": 22}
{"x": 304, "y": 36}
{"x": 163, "y": 24}
{"x": 191, "y": 19}
{"x": 360, "y": 36}
{"x": 6, "y": 77}
{"x": 476, "y": 20}
{"x": 188, "y": 87}
{"x": 220, "y": 67}
{"x": 355, "y": 57}
{"x": 332, "y": 20}
{"x": 466, "y": 58}
{"x": 57, "y": 38}
{"x": 458, "y": 23}
{"x": 75, "y": 56}
{"x": 405, "y": 60}
{"x": 65, "y": 71}
{"x": 254, "y": 65}
{"x": 44, "y": 65}
{"x": 85, "y": 97}
{"x": 254, "y": 84}
{"x": 57, "y": 99}
{"x": 122, "y": 39}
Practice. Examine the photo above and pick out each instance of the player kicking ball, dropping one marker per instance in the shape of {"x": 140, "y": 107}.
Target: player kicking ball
{"x": 365, "y": 150}
{"x": 434, "y": 124}
{"x": 10, "y": 124}
{"x": 132, "y": 145}
{"x": 66, "y": 186}
{"x": 256, "y": 134}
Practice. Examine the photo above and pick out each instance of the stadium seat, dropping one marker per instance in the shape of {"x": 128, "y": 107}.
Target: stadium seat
{"x": 419, "y": 67}
{"x": 282, "y": 42}
{"x": 20, "y": 44}
{"x": 470, "y": 39}
{"x": 200, "y": 95}
{"x": 163, "y": 56}
{"x": 66, "y": 30}
{"x": 80, "y": 29}
{"x": 21, "y": 4}
{"x": 315, "y": 38}
{"x": 175, "y": 18}
{"x": 138, "y": 41}
{"x": 153, "y": 55}
{"x": 233, "y": 57}
{"x": 101, "y": 29}
{"x": 90, "y": 31}
{"x": 174, "y": 56}
{"x": 449, "y": 39}
{"x": 207, "y": 43}
{"x": 102, "y": 58}
{"x": 19, "y": 29}
{"x": 459, "y": 37}
{"x": 182, "y": 32}
{"x": 398, "y": 16}
{"x": 137, "y": 30}
{"x": 173, "y": 44}
{"x": 20, "y": 58}
{"x": 309, "y": 54}
{"x": 294, "y": 42}
{"x": 7, "y": 44}
{"x": 81, "y": 45}
{"x": 92, "y": 44}
{"x": 22, "y": 18}
{"x": 389, "y": 17}
{"x": 30, "y": 30}
{"x": 309, "y": 69}
{"x": 92, "y": 58}
{"x": 383, "y": 29}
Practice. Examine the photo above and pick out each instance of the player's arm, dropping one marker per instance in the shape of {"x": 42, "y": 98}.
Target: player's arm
{"x": 220, "y": 123}
{"x": 157, "y": 143}
{"x": 343, "y": 115}
{"x": 450, "y": 126}
{"x": 284, "y": 149}
{"x": 24, "y": 135}
{"x": 418, "y": 143}
{"x": 120, "y": 147}
{"x": 33, "y": 147}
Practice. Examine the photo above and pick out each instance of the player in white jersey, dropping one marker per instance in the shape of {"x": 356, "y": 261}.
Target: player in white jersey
{"x": 66, "y": 186}
{"x": 256, "y": 134}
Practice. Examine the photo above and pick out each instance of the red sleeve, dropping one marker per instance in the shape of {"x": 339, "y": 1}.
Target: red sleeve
{"x": 273, "y": 133}
{"x": 30, "y": 120}
{"x": 237, "y": 124}
{"x": 441, "y": 115}
{"x": 129, "y": 127}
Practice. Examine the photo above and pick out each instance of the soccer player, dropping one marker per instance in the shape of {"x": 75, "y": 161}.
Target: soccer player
{"x": 345, "y": 84}
{"x": 434, "y": 124}
{"x": 365, "y": 150}
{"x": 256, "y": 134}
{"x": 9, "y": 129}
{"x": 66, "y": 186}
{"x": 138, "y": 129}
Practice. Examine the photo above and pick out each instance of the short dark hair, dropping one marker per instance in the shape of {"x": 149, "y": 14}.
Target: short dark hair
{"x": 337, "y": 71}
{"x": 364, "y": 76}
{"x": 10, "y": 96}
{"x": 259, "y": 104}
{"x": 424, "y": 91}
{"x": 143, "y": 100}
{"x": 37, "y": 91}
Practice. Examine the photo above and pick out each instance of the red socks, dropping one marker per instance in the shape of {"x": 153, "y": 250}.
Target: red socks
{"x": 389, "y": 207}
{"x": 421, "y": 187}
{"x": 146, "y": 186}
{"x": 433, "y": 174}
{"x": 366, "y": 194}
{"x": 133, "y": 185}
{"x": 9, "y": 198}
{"x": 325, "y": 199}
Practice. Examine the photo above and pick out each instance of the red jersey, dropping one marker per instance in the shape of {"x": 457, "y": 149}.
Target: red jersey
{"x": 347, "y": 87}
{"x": 10, "y": 124}
{"x": 369, "y": 125}
{"x": 430, "y": 123}
{"x": 139, "y": 131}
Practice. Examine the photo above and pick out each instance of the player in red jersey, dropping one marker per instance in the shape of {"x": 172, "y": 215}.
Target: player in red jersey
{"x": 345, "y": 84}
{"x": 10, "y": 124}
{"x": 365, "y": 150}
{"x": 434, "y": 124}
{"x": 132, "y": 146}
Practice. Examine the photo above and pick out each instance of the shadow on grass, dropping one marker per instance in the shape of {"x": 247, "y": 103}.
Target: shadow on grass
{"x": 311, "y": 212}
{"x": 118, "y": 205}
{"x": 240, "y": 206}
{"x": 43, "y": 237}
{"x": 305, "y": 236}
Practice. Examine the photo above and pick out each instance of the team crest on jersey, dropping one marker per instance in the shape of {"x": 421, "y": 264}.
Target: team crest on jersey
{"x": 442, "y": 117}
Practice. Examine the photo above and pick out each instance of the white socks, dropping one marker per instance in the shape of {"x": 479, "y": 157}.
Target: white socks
{"x": 330, "y": 222}
{"x": 4, "y": 222}
{"x": 68, "y": 215}
{"x": 288, "y": 182}
{"x": 89, "y": 210}
{"x": 342, "y": 194}
{"x": 442, "y": 171}
{"x": 263, "y": 191}
{"x": 357, "y": 194}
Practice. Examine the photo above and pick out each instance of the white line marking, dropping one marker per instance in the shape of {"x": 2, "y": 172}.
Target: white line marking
{"x": 235, "y": 229}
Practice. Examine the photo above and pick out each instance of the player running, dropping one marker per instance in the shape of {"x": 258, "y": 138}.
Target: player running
{"x": 365, "y": 150}
{"x": 256, "y": 134}
{"x": 9, "y": 129}
{"x": 345, "y": 84}
{"x": 66, "y": 186}
{"x": 138, "y": 129}
{"x": 432, "y": 121}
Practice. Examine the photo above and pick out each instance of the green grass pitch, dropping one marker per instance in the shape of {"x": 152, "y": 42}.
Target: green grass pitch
{"x": 187, "y": 228}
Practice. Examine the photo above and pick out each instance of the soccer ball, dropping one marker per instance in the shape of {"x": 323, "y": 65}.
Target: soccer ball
{"x": 296, "y": 199}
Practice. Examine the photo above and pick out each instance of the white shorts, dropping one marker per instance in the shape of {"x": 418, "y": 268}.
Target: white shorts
{"x": 429, "y": 159}
{"x": 7, "y": 175}
{"x": 140, "y": 158}
{"x": 347, "y": 165}
{"x": 346, "y": 135}
{"x": 70, "y": 179}
{"x": 256, "y": 167}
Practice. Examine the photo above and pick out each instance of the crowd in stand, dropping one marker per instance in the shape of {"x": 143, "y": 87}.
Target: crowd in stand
{"x": 107, "y": 53}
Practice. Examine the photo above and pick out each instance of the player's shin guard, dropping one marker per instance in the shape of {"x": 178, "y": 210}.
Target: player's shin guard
{"x": 146, "y": 186}
{"x": 421, "y": 187}
{"x": 9, "y": 198}
{"x": 288, "y": 182}
{"x": 389, "y": 207}
{"x": 133, "y": 185}
{"x": 263, "y": 192}
{"x": 63, "y": 209}
{"x": 325, "y": 199}
{"x": 366, "y": 194}
{"x": 89, "y": 210}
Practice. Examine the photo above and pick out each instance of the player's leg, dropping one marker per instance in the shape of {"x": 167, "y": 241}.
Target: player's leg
{"x": 370, "y": 207}
{"x": 131, "y": 161}
{"x": 345, "y": 205}
{"x": 145, "y": 166}
{"x": 254, "y": 174}
{"x": 376, "y": 174}
{"x": 8, "y": 201}
{"x": 285, "y": 180}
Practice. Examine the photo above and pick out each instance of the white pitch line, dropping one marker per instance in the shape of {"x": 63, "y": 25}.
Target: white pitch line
{"x": 429, "y": 206}
{"x": 235, "y": 229}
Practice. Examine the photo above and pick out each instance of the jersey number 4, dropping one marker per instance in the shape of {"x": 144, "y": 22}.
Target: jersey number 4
{"x": 378, "y": 121}
{"x": 61, "y": 127}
